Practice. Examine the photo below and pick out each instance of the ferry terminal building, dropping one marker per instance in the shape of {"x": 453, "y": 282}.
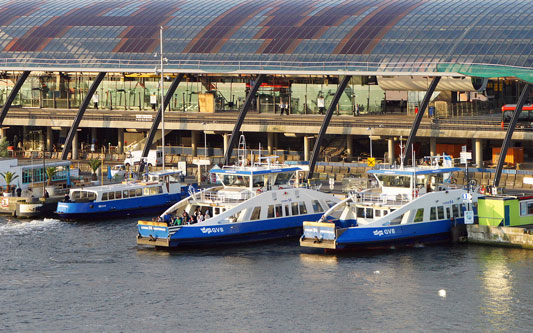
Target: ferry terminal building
{"x": 374, "y": 61}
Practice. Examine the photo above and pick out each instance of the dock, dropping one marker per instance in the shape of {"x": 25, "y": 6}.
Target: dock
{"x": 501, "y": 236}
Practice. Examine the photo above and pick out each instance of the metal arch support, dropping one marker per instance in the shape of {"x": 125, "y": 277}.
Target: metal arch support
{"x": 12, "y": 95}
{"x": 419, "y": 116}
{"x": 509, "y": 134}
{"x": 325, "y": 124}
{"x": 242, "y": 115}
{"x": 74, "y": 128}
{"x": 157, "y": 120}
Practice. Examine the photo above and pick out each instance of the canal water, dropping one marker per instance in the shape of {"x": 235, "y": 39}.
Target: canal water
{"x": 91, "y": 277}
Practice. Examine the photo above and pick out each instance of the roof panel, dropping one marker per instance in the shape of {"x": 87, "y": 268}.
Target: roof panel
{"x": 334, "y": 32}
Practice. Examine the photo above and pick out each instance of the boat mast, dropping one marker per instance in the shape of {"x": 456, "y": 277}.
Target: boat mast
{"x": 162, "y": 100}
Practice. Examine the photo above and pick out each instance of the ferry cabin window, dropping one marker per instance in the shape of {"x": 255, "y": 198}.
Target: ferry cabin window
{"x": 330, "y": 203}
{"x": 361, "y": 212}
{"x": 118, "y": 194}
{"x": 526, "y": 208}
{"x": 270, "y": 211}
{"x": 317, "y": 208}
{"x": 294, "y": 207}
{"x": 433, "y": 213}
{"x": 125, "y": 194}
{"x": 395, "y": 181}
{"x": 448, "y": 212}
{"x": 138, "y": 192}
{"x": 303, "y": 209}
{"x": 104, "y": 196}
{"x": 256, "y": 214}
{"x": 287, "y": 212}
{"x": 377, "y": 213}
{"x": 370, "y": 213}
{"x": 455, "y": 210}
{"x": 146, "y": 191}
{"x": 462, "y": 210}
{"x": 283, "y": 178}
{"x": 111, "y": 195}
{"x": 419, "y": 216}
{"x": 160, "y": 189}
{"x": 396, "y": 220}
{"x": 234, "y": 180}
{"x": 279, "y": 212}
{"x": 132, "y": 193}
{"x": 440, "y": 213}
{"x": 258, "y": 181}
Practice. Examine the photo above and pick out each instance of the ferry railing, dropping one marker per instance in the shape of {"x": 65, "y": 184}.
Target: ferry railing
{"x": 216, "y": 197}
{"x": 385, "y": 199}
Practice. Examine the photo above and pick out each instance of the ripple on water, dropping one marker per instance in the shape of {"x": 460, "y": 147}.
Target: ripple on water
{"x": 21, "y": 227}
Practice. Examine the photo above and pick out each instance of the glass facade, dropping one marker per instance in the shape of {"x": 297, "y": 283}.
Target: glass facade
{"x": 243, "y": 35}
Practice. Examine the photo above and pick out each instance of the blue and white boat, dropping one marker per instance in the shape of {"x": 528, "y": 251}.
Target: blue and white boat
{"x": 254, "y": 203}
{"x": 157, "y": 191}
{"x": 410, "y": 206}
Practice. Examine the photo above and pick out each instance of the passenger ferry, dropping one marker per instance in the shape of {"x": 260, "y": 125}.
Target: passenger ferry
{"x": 257, "y": 202}
{"x": 410, "y": 206}
{"x": 158, "y": 190}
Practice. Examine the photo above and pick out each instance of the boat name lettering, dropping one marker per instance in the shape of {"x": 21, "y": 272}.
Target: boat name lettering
{"x": 384, "y": 232}
{"x": 211, "y": 230}
{"x": 448, "y": 202}
{"x": 101, "y": 206}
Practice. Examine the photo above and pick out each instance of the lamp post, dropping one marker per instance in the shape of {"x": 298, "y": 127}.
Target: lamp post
{"x": 370, "y": 137}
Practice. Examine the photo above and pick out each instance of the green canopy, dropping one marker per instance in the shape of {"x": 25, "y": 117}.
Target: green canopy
{"x": 525, "y": 74}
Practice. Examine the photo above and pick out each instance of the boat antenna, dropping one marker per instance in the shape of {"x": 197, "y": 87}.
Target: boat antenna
{"x": 259, "y": 158}
{"x": 242, "y": 150}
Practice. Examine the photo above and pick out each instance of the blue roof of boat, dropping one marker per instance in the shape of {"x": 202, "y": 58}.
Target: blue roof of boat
{"x": 255, "y": 171}
{"x": 411, "y": 171}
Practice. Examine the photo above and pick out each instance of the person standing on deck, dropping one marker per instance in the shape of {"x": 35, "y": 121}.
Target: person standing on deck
{"x": 96, "y": 98}
{"x": 153, "y": 101}
{"x": 320, "y": 103}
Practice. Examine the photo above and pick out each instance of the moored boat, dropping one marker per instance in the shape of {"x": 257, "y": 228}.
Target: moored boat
{"x": 415, "y": 205}
{"x": 157, "y": 191}
{"x": 257, "y": 202}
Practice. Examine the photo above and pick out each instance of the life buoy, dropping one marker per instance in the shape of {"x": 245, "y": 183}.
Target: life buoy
{"x": 453, "y": 181}
{"x": 482, "y": 189}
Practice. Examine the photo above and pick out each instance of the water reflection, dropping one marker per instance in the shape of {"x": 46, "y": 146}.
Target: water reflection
{"x": 497, "y": 282}
{"x": 315, "y": 260}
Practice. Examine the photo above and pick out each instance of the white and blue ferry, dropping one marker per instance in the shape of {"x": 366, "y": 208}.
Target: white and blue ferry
{"x": 410, "y": 206}
{"x": 254, "y": 203}
{"x": 158, "y": 190}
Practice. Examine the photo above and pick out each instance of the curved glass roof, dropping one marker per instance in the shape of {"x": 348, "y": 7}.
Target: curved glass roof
{"x": 285, "y": 36}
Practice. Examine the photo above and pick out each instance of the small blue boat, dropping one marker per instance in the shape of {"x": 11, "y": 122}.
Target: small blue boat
{"x": 410, "y": 206}
{"x": 159, "y": 190}
{"x": 255, "y": 203}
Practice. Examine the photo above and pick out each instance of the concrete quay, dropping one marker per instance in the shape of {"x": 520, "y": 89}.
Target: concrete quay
{"x": 500, "y": 236}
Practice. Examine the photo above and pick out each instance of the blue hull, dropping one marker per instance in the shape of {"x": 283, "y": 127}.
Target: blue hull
{"x": 230, "y": 234}
{"x": 117, "y": 208}
{"x": 398, "y": 235}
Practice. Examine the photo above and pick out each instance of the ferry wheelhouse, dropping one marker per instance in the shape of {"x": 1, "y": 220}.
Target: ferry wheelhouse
{"x": 158, "y": 190}
{"x": 409, "y": 206}
{"x": 254, "y": 203}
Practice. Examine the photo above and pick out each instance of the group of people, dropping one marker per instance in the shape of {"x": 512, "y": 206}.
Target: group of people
{"x": 185, "y": 218}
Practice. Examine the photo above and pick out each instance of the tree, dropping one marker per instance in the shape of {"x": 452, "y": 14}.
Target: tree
{"x": 94, "y": 164}
{"x": 9, "y": 177}
{"x": 3, "y": 147}
{"x": 50, "y": 173}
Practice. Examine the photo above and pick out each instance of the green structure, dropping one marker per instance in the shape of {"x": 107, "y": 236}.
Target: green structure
{"x": 509, "y": 211}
